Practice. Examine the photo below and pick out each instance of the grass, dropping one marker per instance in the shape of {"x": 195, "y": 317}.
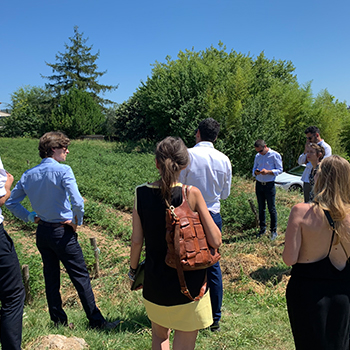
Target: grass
{"x": 254, "y": 312}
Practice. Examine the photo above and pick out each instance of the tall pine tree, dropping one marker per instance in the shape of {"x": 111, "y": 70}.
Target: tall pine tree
{"x": 76, "y": 68}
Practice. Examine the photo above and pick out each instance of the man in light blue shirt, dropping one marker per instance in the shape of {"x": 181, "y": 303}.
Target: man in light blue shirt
{"x": 58, "y": 210}
{"x": 211, "y": 172}
{"x": 267, "y": 165}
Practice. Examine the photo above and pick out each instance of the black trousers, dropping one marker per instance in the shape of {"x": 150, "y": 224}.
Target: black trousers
{"x": 12, "y": 294}
{"x": 266, "y": 193}
{"x": 306, "y": 190}
{"x": 60, "y": 244}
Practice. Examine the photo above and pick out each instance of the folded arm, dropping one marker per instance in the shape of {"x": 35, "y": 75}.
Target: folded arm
{"x": 6, "y": 191}
{"x": 77, "y": 201}
{"x": 14, "y": 205}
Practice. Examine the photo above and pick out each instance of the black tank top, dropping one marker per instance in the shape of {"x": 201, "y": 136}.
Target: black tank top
{"x": 161, "y": 285}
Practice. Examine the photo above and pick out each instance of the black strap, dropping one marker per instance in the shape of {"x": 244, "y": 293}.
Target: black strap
{"x": 331, "y": 223}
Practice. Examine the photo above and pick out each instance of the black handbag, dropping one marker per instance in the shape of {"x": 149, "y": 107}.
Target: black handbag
{"x": 139, "y": 276}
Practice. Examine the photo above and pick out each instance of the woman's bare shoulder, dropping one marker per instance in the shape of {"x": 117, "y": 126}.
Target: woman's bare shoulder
{"x": 302, "y": 208}
{"x": 194, "y": 191}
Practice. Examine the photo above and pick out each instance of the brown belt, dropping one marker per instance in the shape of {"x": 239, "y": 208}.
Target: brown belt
{"x": 50, "y": 224}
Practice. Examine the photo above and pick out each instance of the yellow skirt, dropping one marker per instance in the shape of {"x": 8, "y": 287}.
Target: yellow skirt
{"x": 187, "y": 317}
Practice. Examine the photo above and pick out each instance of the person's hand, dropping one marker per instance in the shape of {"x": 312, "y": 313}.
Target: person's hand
{"x": 9, "y": 181}
{"x": 264, "y": 172}
{"x": 36, "y": 220}
{"x": 70, "y": 223}
{"x": 257, "y": 172}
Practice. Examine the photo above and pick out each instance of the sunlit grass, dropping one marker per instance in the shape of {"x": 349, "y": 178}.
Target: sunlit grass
{"x": 254, "y": 312}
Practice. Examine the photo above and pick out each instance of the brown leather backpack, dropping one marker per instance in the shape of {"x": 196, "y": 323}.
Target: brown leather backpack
{"x": 188, "y": 248}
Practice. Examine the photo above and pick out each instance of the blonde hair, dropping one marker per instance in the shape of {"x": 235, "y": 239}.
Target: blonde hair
{"x": 332, "y": 191}
{"x": 172, "y": 156}
{"x": 318, "y": 149}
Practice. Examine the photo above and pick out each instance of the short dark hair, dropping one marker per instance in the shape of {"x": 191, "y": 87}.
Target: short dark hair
{"x": 50, "y": 140}
{"x": 209, "y": 129}
{"x": 259, "y": 143}
{"x": 312, "y": 130}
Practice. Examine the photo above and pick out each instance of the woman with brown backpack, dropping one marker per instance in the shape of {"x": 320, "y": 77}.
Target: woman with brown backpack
{"x": 166, "y": 306}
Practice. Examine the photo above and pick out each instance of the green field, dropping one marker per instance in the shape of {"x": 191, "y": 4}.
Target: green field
{"x": 254, "y": 307}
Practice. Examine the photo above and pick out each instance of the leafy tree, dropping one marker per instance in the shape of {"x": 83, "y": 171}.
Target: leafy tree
{"x": 76, "y": 68}
{"x": 130, "y": 123}
{"x": 77, "y": 114}
{"x": 30, "y": 113}
{"x": 252, "y": 98}
{"x": 172, "y": 99}
{"x": 332, "y": 118}
{"x": 247, "y": 96}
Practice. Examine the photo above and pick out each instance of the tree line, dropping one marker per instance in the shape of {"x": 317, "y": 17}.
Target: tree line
{"x": 251, "y": 97}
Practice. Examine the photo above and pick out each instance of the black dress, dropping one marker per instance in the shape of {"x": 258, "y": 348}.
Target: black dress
{"x": 318, "y": 301}
{"x": 161, "y": 283}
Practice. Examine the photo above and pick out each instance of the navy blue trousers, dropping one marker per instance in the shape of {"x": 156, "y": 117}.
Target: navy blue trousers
{"x": 12, "y": 294}
{"x": 61, "y": 244}
{"x": 266, "y": 194}
{"x": 214, "y": 277}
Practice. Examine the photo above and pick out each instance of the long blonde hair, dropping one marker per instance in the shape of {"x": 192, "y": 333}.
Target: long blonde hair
{"x": 332, "y": 190}
{"x": 172, "y": 156}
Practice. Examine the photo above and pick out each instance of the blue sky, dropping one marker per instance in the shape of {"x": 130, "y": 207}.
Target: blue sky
{"x": 132, "y": 35}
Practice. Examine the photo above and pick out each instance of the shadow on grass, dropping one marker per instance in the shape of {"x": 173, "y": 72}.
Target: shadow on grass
{"x": 272, "y": 275}
{"x": 135, "y": 324}
{"x": 236, "y": 237}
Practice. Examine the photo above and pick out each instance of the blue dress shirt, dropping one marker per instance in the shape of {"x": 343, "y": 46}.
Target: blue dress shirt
{"x": 53, "y": 193}
{"x": 272, "y": 160}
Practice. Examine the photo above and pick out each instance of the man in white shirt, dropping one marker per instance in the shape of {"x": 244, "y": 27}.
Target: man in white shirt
{"x": 211, "y": 172}
{"x": 312, "y": 136}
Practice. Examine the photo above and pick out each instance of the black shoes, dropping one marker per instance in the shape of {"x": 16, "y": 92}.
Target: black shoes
{"x": 215, "y": 327}
{"x": 273, "y": 235}
{"x": 64, "y": 324}
{"x": 108, "y": 326}
{"x": 261, "y": 232}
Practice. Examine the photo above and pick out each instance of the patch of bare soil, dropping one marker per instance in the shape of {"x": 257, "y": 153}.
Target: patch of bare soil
{"x": 254, "y": 271}
{"x": 57, "y": 341}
